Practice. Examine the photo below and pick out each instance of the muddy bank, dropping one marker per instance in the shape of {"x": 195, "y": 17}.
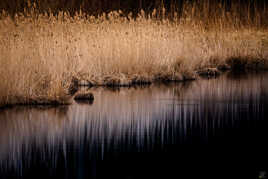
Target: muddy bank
{"x": 234, "y": 64}
{"x": 129, "y": 81}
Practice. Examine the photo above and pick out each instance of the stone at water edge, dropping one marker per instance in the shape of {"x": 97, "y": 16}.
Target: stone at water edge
{"x": 209, "y": 72}
{"x": 84, "y": 96}
{"x": 224, "y": 67}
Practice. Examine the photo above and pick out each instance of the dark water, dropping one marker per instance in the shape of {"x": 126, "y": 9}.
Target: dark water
{"x": 204, "y": 129}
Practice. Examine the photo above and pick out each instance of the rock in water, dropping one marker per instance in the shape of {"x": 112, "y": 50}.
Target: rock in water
{"x": 209, "y": 72}
{"x": 224, "y": 67}
{"x": 85, "y": 96}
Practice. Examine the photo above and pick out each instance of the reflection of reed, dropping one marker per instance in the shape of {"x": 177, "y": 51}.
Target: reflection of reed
{"x": 132, "y": 119}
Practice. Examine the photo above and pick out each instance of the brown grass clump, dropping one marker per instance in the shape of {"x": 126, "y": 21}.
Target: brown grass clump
{"x": 40, "y": 54}
{"x": 29, "y": 75}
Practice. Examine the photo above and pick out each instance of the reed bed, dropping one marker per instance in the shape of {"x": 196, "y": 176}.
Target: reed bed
{"x": 41, "y": 53}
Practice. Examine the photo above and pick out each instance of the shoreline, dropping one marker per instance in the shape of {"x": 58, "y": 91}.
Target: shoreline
{"x": 36, "y": 103}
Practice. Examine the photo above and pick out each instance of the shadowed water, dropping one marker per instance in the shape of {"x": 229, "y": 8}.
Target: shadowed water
{"x": 207, "y": 128}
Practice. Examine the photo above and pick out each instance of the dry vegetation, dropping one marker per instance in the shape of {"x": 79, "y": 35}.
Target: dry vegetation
{"x": 41, "y": 53}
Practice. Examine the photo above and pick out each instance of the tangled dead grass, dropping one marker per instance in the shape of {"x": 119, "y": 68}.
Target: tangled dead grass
{"x": 41, "y": 53}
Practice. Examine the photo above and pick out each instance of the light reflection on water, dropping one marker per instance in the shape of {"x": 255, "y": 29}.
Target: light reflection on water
{"x": 68, "y": 141}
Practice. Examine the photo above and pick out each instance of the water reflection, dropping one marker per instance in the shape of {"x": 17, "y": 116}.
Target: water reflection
{"x": 125, "y": 131}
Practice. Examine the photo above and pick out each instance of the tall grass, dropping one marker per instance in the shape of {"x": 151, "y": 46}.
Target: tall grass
{"x": 40, "y": 53}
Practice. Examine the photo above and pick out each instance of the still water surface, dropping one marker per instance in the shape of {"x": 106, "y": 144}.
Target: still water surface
{"x": 207, "y": 128}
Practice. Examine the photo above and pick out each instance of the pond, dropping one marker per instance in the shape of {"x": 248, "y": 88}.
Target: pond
{"x": 214, "y": 128}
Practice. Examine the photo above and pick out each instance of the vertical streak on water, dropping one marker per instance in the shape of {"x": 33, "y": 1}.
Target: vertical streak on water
{"x": 141, "y": 120}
